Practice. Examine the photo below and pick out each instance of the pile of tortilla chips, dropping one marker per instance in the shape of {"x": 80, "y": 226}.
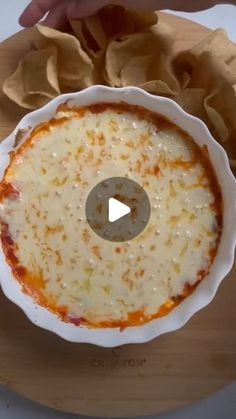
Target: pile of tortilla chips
{"x": 118, "y": 47}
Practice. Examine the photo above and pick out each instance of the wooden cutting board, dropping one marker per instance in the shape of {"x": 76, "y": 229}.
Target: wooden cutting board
{"x": 173, "y": 370}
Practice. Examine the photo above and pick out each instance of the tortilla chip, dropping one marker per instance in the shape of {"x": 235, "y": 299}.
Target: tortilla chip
{"x": 165, "y": 35}
{"x": 119, "y": 53}
{"x": 217, "y": 43}
{"x": 157, "y": 87}
{"x": 117, "y": 21}
{"x": 88, "y": 42}
{"x": 220, "y": 129}
{"x": 232, "y": 65}
{"x": 185, "y": 80}
{"x": 163, "y": 80}
{"x": 99, "y": 74}
{"x": 212, "y": 80}
{"x": 96, "y": 31}
{"x": 150, "y": 73}
{"x": 35, "y": 80}
{"x": 91, "y": 46}
{"x": 209, "y": 71}
{"x": 135, "y": 72}
{"x": 192, "y": 101}
{"x": 220, "y": 106}
{"x": 230, "y": 147}
{"x": 110, "y": 23}
{"x": 75, "y": 68}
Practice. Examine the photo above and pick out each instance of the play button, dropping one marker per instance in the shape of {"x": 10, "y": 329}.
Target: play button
{"x": 118, "y": 209}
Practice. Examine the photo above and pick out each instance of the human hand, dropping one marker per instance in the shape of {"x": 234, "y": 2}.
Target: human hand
{"x": 58, "y": 11}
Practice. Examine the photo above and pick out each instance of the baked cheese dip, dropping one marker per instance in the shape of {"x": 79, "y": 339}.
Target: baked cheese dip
{"x": 51, "y": 249}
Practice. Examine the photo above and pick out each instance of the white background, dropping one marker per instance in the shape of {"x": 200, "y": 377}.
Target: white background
{"x": 222, "y": 405}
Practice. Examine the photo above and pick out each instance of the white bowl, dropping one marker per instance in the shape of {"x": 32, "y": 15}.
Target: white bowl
{"x": 203, "y": 294}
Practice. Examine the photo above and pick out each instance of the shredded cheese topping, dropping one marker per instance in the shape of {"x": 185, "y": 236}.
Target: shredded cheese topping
{"x": 54, "y": 253}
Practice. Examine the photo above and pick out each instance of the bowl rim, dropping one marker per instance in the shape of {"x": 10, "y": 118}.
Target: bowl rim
{"x": 224, "y": 260}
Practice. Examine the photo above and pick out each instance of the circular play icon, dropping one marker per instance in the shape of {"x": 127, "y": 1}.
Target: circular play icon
{"x": 118, "y": 209}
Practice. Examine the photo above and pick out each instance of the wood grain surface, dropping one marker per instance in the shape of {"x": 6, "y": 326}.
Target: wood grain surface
{"x": 173, "y": 370}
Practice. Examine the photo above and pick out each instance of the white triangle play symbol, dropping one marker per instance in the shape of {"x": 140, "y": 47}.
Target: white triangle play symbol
{"x": 117, "y": 210}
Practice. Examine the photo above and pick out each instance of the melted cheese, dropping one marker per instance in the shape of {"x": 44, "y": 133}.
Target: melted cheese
{"x": 66, "y": 266}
